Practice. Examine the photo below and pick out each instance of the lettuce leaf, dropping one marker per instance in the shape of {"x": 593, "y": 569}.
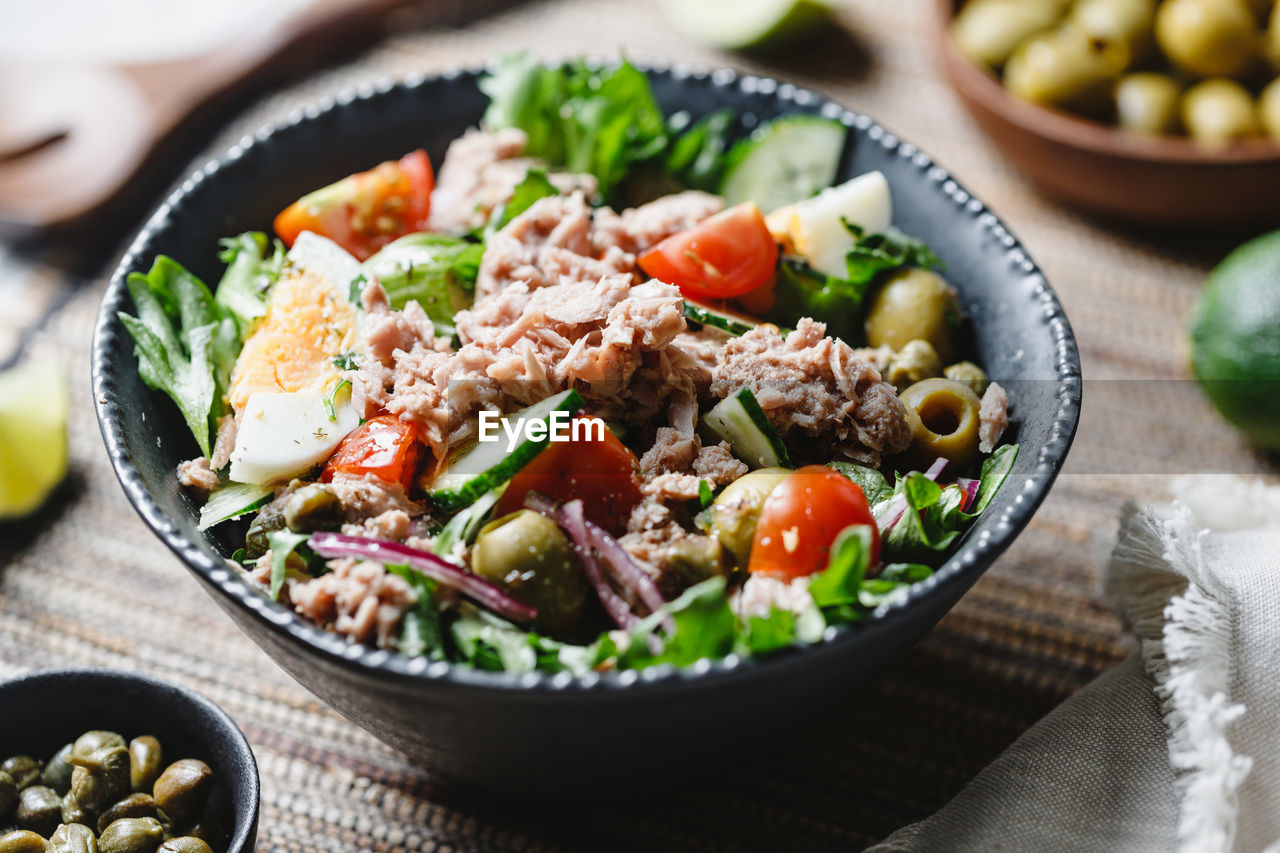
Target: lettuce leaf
{"x": 250, "y": 273}
{"x": 705, "y": 627}
{"x": 421, "y": 633}
{"x": 436, "y": 271}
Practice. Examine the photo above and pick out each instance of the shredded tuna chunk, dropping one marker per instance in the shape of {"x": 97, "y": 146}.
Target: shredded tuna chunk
{"x": 640, "y": 228}
{"x": 361, "y": 600}
{"x": 993, "y": 417}
{"x": 368, "y": 497}
{"x": 224, "y": 442}
{"x": 815, "y": 386}
{"x": 196, "y": 474}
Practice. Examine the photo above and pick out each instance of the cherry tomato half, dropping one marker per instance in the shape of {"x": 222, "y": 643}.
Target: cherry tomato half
{"x": 730, "y": 254}
{"x": 384, "y": 447}
{"x": 364, "y": 212}
{"x": 801, "y": 519}
{"x": 604, "y": 473}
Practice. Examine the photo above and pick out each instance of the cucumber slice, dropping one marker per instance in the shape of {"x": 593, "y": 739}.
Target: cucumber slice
{"x": 739, "y": 420}
{"x": 475, "y": 469}
{"x": 784, "y": 161}
{"x": 719, "y": 318}
{"x": 232, "y": 501}
{"x": 739, "y": 24}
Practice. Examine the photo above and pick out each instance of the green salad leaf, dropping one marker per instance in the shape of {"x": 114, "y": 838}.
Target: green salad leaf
{"x": 250, "y": 273}
{"x": 436, "y": 271}
{"x": 534, "y": 186}
{"x": 705, "y": 627}
{"x": 874, "y": 486}
{"x": 185, "y": 343}
{"x": 421, "y": 633}
{"x": 995, "y": 470}
{"x": 283, "y": 544}
{"x": 490, "y": 642}
{"x": 872, "y": 254}
{"x": 696, "y": 157}
{"x": 762, "y": 634}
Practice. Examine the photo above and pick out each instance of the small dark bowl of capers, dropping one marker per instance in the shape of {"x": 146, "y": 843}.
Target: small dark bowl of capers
{"x": 102, "y": 761}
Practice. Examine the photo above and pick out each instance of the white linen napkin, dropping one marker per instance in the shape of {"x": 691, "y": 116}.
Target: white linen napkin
{"x": 1179, "y": 747}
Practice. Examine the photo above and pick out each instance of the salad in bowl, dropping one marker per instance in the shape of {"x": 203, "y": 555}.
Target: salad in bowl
{"x": 600, "y": 390}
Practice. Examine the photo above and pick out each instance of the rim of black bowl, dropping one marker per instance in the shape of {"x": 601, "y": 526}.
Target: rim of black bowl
{"x": 245, "y": 789}
{"x": 982, "y": 544}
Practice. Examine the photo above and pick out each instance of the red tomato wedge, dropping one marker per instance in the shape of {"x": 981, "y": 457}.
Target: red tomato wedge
{"x": 605, "y": 474}
{"x": 730, "y": 254}
{"x": 801, "y": 519}
{"x": 384, "y": 447}
{"x": 365, "y": 211}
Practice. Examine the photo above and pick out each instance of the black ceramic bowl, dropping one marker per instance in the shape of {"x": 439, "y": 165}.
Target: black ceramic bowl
{"x": 518, "y": 731}
{"x": 40, "y": 713}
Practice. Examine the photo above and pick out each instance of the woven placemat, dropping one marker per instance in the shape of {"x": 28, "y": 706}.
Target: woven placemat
{"x": 86, "y": 583}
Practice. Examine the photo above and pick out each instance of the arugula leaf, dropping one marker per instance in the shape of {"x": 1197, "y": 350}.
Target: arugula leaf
{"x": 534, "y": 186}
{"x": 282, "y": 543}
{"x": 840, "y": 582}
{"x": 437, "y": 271}
{"x": 872, "y": 254}
{"x": 250, "y": 273}
{"x": 704, "y": 628}
{"x": 184, "y": 343}
{"x": 995, "y": 470}
{"x": 696, "y": 156}
{"x": 420, "y": 632}
{"x": 873, "y": 484}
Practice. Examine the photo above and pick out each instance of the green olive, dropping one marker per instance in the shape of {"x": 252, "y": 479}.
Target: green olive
{"x": 39, "y": 810}
{"x": 530, "y": 557}
{"x": 1218, "y": 111}
{"x": 8, "y": 795}
{"x": 131, "y": 835}
{"x": 1122, "y": 24}
{"x": 185, "y": 844}
{"x": 21, "y": 841}
{"x": 1065, "y": 68}
{"x": 1147, "y": 103}
{"x": 696, "y": 558}
{"x": 90, "y": 742}
{"x": 1269, "y": 107}
{"x": 23, "y": 769}
{"x": 737, "y": 509}
{"x": 987, "y": 31}
{"x": 313, "y": 507}
{"x": 101, "y": 778}
{"x": 73, "y": 838}
{"x": 134, "y": 805}
{"x": 268, "y": 520}
{"x": 914, "y": 304}
{"x": 915, "y": 361}
{"x": 943, "y": 415}
{"x": 1208, "y": 38}
{"x": 57, "y": 771}
{"x": 968, "y": 373}
{"x": 73, "y": 812}
{"x": 146, "y": 758}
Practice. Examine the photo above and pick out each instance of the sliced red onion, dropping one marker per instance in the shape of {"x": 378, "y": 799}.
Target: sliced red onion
{"x": 628, "y": 573}
{"x": 570, "y": 517}
{"x": 970, "y": 489}
{"x": 936, "y": 469}
{"x": 330, "y": 545}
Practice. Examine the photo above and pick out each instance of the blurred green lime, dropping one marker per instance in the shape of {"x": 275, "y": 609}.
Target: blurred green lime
{"x": 33, "y": 436}
{"x": 1235, "y": 339}
{"x": 740, "y": 24}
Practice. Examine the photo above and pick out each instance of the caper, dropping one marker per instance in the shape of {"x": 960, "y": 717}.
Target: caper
{"x": 73, "y": 812}
{"x": 146, "y": 758}
{"x": 1208, "y": 38}
{"x": 312, "y": 507}
{"x": 696, "y": 558}
{"x": 914, "y": 304}
{"x": 1147, "y": 103}
{"x": 23, "y": 769}
{"x": 39, "y": 809}
{"x": 73, "y": 838}
{"x": 57, "y": 771}
{"x": 530, "y": 557}
{"x": 208, "y": 830}
{"x": 183, "y": 788}
{"x": 134, "y": 805}
{"x": 21, "y": 841}
{"x": 915, "y": 361}
{"x": 1122, "y": 24}
{"x": 968, "y": 373}
{"x": 944, "y": 419}
{"x": 987, "y": 31}
{"x": 91, "y": 742}
{"x": 1219, "y": 111}
{"x": 100, "y": 778}
{"x": 736, "y": 510}
{"x": 8, "y": 795}
{"x": 131, "y": 835}
{"x": 1065, "y": 68}
{"x": 1269, "y": 107}
{"x": 185, "y": 844}
{"x": 268, "y": 520}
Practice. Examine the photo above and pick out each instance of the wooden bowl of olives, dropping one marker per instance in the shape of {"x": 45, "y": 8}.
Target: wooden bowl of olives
{"x": 1162, "y": 112}
{"x": 116, "y": 762}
